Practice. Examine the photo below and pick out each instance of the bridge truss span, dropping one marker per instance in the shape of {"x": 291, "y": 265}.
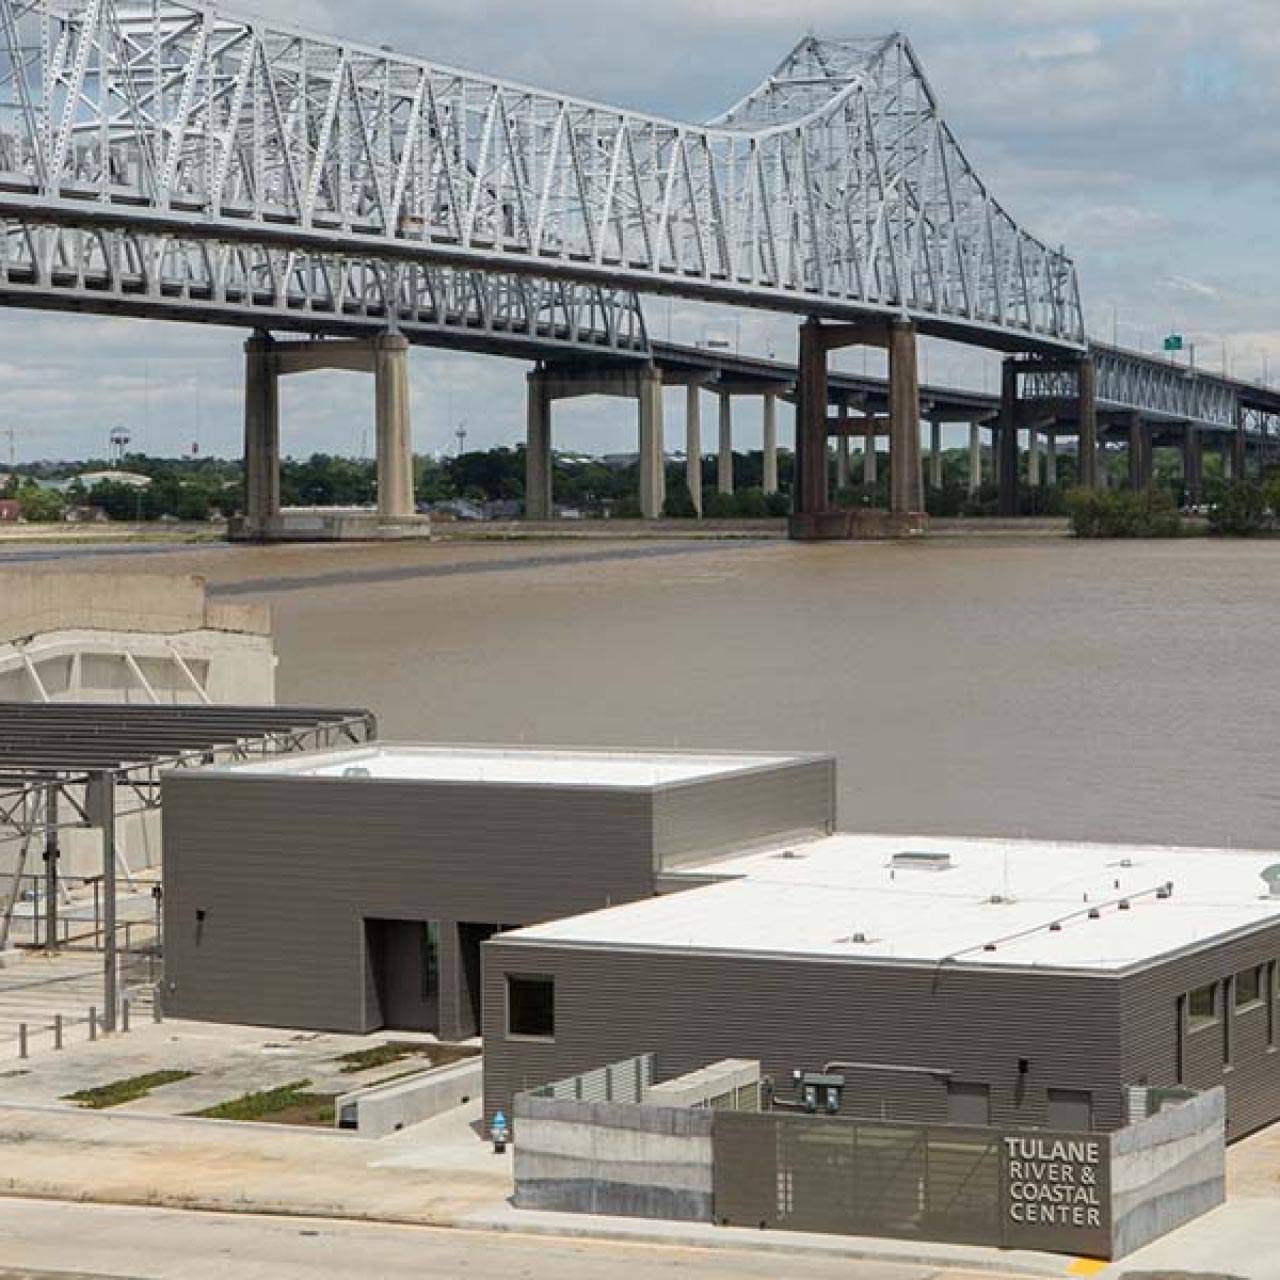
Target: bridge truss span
{"x": 155, "y": 274}
{"x": 835, "y": 189}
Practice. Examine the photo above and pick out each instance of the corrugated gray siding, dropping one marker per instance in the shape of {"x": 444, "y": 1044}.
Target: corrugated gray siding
{"x": 694, "y": 1008}
{"x": 694, "y": 820}
{"x": 286, "y": 869}
{"x": 1149, "y": 1009}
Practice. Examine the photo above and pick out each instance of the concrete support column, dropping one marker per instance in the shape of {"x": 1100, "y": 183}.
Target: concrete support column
{"x": 935, "y": 455}
{"x": 1051, "y": 459}
{"x": 537, "y": 456}
{"x": 261, "y": 433}
{"x": 843, "y": 472}
{"x": 906, "y": 487}
{"x": 975, "y": 457}
{"x": 693, "y": 444}
{"x": 810, "y": 489}
{"x": 395, "y": 437}
{"x": 724, "y": 457}
{"x": 1193, "y": 464}
{"x": 1239, "y": 454}
{"x": 1088, "y": 417}
{"x": 771, "y": 442}
{"x": 653, "y": 481}
{"x": 1033, "y": 458}
{"x": 1007, "y": 448}
{"x": 870, "y": 459}
{"x": 1140, "y": 469}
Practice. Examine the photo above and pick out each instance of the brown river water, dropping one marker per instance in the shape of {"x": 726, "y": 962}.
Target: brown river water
{"x": 982, "y": 685}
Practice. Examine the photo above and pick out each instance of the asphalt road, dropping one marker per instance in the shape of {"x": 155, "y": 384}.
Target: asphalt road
{"x": 40, "y": 1240}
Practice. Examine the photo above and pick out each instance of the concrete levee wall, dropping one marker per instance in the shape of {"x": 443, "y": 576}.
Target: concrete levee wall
{"x": 1167, "y": 1170}
{"x": 613, "y": 1158}
{"x": 34, "y": 603}
{"x": 379, "y": 1110}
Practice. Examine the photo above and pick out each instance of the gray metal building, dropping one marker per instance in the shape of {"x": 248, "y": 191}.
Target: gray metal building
{"x": 953, "y": 981}
{"x": 352, "y": 891}
{"x": 587, "y": 907}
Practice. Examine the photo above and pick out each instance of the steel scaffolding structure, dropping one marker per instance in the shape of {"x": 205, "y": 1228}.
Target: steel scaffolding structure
{"x": 71, "y": 767}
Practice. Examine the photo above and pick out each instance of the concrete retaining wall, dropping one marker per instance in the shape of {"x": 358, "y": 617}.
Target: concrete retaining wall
{"x": 32, "y": 603}
{"x": 611, "y": 1158}
{"x": 1167, "y": 1170}
{"x": 379, "y": 1110}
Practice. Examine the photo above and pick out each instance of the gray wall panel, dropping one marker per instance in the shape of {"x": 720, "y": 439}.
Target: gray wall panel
{"x": 286, "y": 869}
{"x": 694, "y": 1008}
{"x": 699, "y": 819}
{"x": 1149, "y": 1003}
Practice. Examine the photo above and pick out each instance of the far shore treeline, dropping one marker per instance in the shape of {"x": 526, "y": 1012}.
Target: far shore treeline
{"x": 490, "y": 483}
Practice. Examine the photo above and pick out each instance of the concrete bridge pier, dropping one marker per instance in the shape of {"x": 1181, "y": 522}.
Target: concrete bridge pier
{"x": 1141, "y": 468}
{"x": 1239, "y": 450}
{"x": 261, "y": 435}
{"x": 393, "y": 430}
{"x": 267, "y": 361}
{"x": 975, "y": 457}
{"x": 935, "y": 454}
{"x": 693, "y": 444}
{"x": 724, "y": 455}
{"x": 770, "y": 442}
{"x": 906, "y": 482}
{"x": 549, "y": 383}
{"x": 1087, "y": 411}
{"x": 844, "y": 458}
{"x": 1051, "y": 458}
{"x": 1007, "y": 447}
{"x": 1033, "y": 456}
{"x": 870, "y": 458}
{"x": 1193, "y": 463}
{"x": 814, "y": 515}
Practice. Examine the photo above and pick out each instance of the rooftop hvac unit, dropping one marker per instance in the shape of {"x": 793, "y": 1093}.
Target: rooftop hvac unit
{"x": 920, "y": 860}
{"x": 1272, "y": 877}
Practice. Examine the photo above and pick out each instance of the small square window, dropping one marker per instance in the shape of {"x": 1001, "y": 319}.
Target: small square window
{"x": 1249, "y": 988}
{"x": 531, "y": 1007}
{"x": 1202, "y": 1007}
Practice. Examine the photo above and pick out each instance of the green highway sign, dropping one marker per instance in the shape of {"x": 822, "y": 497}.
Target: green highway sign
{"x": 1173, "y": 342}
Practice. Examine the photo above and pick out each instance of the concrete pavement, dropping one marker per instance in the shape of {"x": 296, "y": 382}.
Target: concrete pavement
{"x": 157, "y": 1244}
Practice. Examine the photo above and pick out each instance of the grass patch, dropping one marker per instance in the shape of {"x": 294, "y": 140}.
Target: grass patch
{"x": 121, "y": 1091}
{"x": 288, "y": 1104}
{"x": 383, "y": 1055}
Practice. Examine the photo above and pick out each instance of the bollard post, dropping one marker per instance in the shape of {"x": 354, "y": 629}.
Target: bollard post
{"x": 93, "y": 1023}
{"x": 57, "y": 1031}
{"x": 124, "y": 1014}
{"x": 22, "y": 1040}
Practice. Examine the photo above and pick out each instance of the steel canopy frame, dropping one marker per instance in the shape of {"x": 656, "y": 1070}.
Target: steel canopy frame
{"x": 836, "y": 188}
{"x": 71, "y": 766}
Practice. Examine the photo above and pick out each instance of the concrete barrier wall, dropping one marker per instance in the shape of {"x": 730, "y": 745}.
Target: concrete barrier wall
{"x": 33, "y": 603}
{"x": 379, "y": 1110}
{"x": 1167, "y": 1170}
{"x": 612, "y": 1158}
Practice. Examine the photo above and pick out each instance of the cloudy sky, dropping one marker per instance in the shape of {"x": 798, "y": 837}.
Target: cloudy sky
{"x": 1139, "y": 133}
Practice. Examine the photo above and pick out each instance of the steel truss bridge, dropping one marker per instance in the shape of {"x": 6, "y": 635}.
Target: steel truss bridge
{"x": 169, "y": 159}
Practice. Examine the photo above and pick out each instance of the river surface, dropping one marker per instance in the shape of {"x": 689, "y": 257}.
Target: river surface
{"x": 1003, "y": 685}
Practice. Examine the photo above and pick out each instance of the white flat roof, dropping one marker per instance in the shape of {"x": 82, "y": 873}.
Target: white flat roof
{"x": 535, "y": 766}
{"x": 841, "y": 896}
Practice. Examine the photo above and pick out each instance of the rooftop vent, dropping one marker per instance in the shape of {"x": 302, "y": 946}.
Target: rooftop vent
{"x": 788, "y": 855}
{"x": 1272, "y": 878}
{"x": 356, "y": 771}
{"x": 921, "y": 860}
{"x": 858, "y": 939}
